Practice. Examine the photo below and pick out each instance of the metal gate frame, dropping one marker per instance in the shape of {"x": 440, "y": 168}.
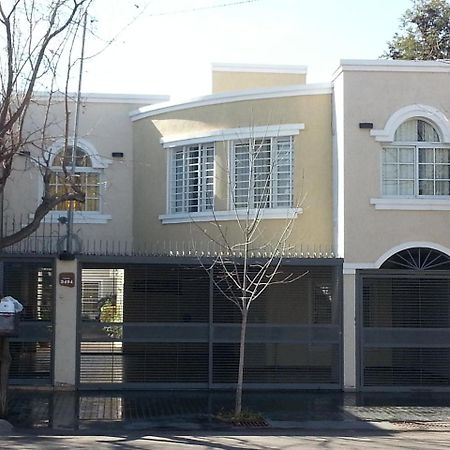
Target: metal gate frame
{"x": 359, "y": 318}
{"x": 29, "y": 330}
{"x": 117, "y": 261}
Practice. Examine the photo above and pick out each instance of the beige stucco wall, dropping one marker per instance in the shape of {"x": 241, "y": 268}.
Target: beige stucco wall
{"x": 312, "y": 171}
{"x": 373, "y": 96}
{"x": 224, "y": 81}
{"x": 104, "y": 125}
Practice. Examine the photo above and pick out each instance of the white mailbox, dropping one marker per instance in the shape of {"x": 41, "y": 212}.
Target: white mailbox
{"x": 9, "y": 316}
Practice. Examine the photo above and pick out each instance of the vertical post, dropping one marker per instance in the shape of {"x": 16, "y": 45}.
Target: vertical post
{"x": 75, "y": 137}
{"x": 349, "y": 329}
{"x": 66, "y": 309}
{"x": 211, "y": 329}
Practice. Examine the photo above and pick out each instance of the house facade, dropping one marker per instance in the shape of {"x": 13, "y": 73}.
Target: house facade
{"x": 357, "y": 169}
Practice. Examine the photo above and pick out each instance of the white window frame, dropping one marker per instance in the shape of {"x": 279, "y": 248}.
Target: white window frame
{"x": 416, "y": 147}
{"x": 386, "y": 136}
{"x": 98, "y": 164}
{"x": 273, "y": 174}
{"x": 228, "y": 135}
{"x": 206, "y": 182}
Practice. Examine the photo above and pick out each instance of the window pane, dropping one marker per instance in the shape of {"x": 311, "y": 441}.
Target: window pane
{"x": 406, "y": 187}
{"x": 416, "y": 130}
{"x": 406, "y": 171}
{"x": 390, "y": 187}
{"x": 426, "y": 187}
{"x": 390, "y": 155}
{"x": 426, "y": 155}
{"x": 442, "y": 188}
{"x": 426, "y": 171}
{"x": 443, "y": 155}
{"x": 406, "y": 155}
{"x": 390, "y": 171}
{"x": 442, "y": 171}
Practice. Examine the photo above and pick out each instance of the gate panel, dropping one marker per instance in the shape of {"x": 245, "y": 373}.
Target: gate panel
{"x": 405, "y": 330}
{"x": 32, "y": 283}
{"x": 166, "y": 326}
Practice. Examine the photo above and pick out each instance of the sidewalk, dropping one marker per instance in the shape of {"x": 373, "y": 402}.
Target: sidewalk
{"x": 193, "y": 411}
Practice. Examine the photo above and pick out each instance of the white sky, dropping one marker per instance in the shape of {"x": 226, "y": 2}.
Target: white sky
{"x": 169, "y": 48}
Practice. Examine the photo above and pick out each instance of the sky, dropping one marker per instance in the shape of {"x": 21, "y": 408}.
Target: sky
{"x": 167, "y": 46}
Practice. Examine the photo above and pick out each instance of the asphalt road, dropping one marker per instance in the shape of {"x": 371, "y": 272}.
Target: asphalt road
{"x": 347, "y": 440}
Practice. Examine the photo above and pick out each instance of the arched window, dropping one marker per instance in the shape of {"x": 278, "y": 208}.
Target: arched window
{"x": 416, "y": 164}
{"x": 87, "y": 178}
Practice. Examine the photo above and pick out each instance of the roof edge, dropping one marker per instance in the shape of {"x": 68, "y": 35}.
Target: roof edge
{"x": 229, "y": 97}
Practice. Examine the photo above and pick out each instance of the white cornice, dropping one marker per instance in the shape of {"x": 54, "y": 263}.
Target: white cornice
{"x": 389, "y": 65}
{"x": 229, "y": 134}
{"x": 263, "y": 68}
{"x": 229, "y": 97}
{"x": 92, "y": 97}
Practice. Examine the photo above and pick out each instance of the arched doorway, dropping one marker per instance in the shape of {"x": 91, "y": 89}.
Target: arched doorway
{"x": 404, "y": 322}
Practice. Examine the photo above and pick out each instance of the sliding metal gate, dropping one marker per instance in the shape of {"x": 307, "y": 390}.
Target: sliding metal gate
{"x": 404, "y": 319}
{"x": 32, "y": 283}
{"x": 166, "y": 326}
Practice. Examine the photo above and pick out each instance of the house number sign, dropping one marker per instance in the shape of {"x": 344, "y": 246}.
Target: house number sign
{"x": 67, "y": 279}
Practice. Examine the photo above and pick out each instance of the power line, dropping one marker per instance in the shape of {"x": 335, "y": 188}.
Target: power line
{"x": 202, "y": 8}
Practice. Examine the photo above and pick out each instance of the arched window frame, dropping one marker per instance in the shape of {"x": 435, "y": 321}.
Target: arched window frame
{"x": 97, "y": 166}
{"x": 415, "y": 192}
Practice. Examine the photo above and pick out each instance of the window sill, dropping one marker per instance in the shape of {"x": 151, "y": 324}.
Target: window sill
{"x": 78, "y": 217}
{"x": 275, "y": 213}
{"x": 411, "y": 204}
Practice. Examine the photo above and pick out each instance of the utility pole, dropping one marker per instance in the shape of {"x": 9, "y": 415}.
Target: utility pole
{"x": 69, "y": 247}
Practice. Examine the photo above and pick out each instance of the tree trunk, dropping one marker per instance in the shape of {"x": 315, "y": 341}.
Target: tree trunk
{"x": 240, "y": 381}
{"x": 5, "y": 363}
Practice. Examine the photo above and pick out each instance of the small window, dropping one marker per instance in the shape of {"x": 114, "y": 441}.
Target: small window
{"x": 416, "y": 165}
{"x": 86, "y": 177}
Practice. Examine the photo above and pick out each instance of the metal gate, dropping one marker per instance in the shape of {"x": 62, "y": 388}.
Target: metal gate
{"x": 32, "y": 283}
{"x": 166, "y": 326}
{"x": 404, "y": 324}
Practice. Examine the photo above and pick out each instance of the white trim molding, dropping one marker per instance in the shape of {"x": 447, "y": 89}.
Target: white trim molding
{"x": 294, "y": 90}
{"x": 210, "y": 216}
{"x": 387, "y": 65}
{"x": 93, "y": 97}
{"x": 98, "y": 162}
{"x": 232, "y": 134}
{"x": 255, "y": 68}
{"x": 351, "y": 268}
{"x": 413, "y": 111}
{"x": 78, "y": 217}
{"x": 411, "y": 204}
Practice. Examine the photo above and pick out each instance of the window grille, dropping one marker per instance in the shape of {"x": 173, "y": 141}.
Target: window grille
{"x": 262, "y": 173}
{"x": 192, "y": 179}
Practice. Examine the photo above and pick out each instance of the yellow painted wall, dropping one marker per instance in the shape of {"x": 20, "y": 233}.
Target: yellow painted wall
{"x": 223, "y": 81}
{"x": 312, "y": 169}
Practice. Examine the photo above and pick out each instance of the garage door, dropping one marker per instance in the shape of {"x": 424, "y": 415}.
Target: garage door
{"x": 404, "y": 322}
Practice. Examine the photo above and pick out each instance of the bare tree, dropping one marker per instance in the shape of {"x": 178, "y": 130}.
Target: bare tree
{"x": 247, "y": 261}
{"x": 37, "y": 39}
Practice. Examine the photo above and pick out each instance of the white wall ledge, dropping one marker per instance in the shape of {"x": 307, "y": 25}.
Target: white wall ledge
{"x": 411, "y": 204}
{"x": 209, "y": 216}
{"x": 79, "y": 217}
